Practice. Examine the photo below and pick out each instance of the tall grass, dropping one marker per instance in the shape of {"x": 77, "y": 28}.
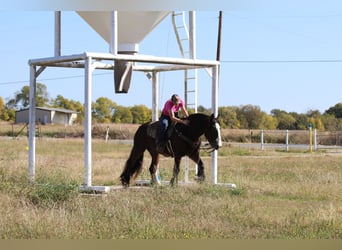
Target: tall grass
{"x": 279, "y": 196}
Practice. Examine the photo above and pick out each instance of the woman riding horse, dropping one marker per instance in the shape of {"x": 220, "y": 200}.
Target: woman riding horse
{"x": 185, "y": 141}
{"x": 170, "y": 114}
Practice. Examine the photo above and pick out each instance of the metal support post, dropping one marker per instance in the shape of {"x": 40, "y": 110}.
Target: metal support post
{"x": 214, "y": 106}
{"x": 114, "y": 33}
{"x": 32, "y": 124}
{"x": 155, "y": 94}
{"x": 87, "y": 121}
{"x": 57, "y": 33}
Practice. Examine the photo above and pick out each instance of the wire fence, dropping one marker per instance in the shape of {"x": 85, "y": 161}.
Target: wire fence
{"x": 310, "y": 139}
{"x": 284, "y": 139}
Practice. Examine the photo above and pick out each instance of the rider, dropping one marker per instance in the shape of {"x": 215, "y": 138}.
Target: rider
{"x": 170, "y": 114}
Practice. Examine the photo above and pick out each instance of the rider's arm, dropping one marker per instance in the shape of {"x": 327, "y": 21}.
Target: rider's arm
{"x": 185, "y": 112}
{"x": 175, "y": 119}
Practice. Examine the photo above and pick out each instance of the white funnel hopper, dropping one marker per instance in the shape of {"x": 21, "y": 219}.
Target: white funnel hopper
{"x": 133, "y": 26}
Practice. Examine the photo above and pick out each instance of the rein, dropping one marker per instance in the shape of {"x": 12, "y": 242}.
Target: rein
{"x": 186, "y": 139}
{"x": 207, "y": 147}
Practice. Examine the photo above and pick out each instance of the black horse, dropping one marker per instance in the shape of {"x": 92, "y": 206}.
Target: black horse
{"x": 184, "y": 140}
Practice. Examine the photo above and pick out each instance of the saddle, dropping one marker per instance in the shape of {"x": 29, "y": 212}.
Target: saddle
{"x": 152, "y": 130}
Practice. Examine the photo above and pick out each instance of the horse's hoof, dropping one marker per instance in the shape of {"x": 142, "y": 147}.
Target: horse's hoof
{"x": 199, "y": 179}
{"x": 172, "y": 182}
{"x": 155, "y": 184}
{"x": 125, "y": 185}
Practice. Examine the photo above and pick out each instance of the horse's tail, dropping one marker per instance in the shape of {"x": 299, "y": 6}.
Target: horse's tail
{"x": 134, "y": 164}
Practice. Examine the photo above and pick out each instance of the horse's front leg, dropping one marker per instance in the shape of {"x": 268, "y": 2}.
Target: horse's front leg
{"x": 200, "y": 176}
{"x": 176, "y": 169}
{"x": 154, "y": 170}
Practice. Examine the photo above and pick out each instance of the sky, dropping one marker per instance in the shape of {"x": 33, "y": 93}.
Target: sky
{"x": 286, "y": 55}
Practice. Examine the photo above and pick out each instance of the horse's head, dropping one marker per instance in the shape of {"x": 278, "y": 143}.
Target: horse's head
{"x": 212, "y": 133}
{"x": 202, "y": 124}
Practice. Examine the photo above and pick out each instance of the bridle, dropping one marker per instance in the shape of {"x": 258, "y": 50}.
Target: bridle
{"x": 208, "y": 148}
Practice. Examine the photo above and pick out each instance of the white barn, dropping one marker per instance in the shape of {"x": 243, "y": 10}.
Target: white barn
{"x": 48, "y": 116}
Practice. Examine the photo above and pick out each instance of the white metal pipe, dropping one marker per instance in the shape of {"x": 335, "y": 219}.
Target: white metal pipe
{"x": 193, "y": 73}
{"x": 155, "y": 94}
{"x": 125, "y": 57}
{"x": 87, "y": 121}
{"x": 114, "y": 33}
{"x": 262, "y": 139}
{"x": 192, "y": 34}
{"x": 310, "y": 138}
{"x": 193, "y": 50}
{"x": 57, "y": 33}
{"x": 214, "y": 106}
{"x": 287, "y": 140}
{"x": 32, "y": 124}
{"x": 315, "y": 139}
{"x": 145, "y": 68}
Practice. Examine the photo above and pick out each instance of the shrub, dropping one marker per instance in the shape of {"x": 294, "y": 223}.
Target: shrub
{"x": 52, "y": 191}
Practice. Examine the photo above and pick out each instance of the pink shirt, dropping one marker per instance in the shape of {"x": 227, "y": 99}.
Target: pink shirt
{"x": 174, "y": 108}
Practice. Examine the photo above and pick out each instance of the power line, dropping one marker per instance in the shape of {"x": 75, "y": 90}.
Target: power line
{"x": 284, "y": 61}
{"x": 222, "y": 61}
{"x": 51, "y": 79}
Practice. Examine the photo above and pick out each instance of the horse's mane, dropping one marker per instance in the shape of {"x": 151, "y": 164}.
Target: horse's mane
{"x": 198, "y": 122}
{"x": 198, "y": 117}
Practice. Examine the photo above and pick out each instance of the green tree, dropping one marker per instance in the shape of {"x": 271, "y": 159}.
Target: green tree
{"x": 103, "y": 109}
{"x": 335, "y": 110}
{"x": 64, "y": 103}
{"x": 202, "y": 109}
{"x": 286, "y": 121}
{"x": 6, "y": 113}
{"x": 250, "y": 116}
{"x": 22, "y": 97}
{"x": 301, "y": 120}
{"x": 315, "y": 118}
{"x": 228, "y": 118}
{"x": 42, "y": 95}
{"x": 268, "y": 122}
{"x": 122, "y": 115}
{"x": 3, "y": 113}
{"x": 330, "y": 122}
{"x": 141, "y": 114}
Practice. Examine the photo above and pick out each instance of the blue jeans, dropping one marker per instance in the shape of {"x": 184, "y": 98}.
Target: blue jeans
{"x": 164, "y": 122}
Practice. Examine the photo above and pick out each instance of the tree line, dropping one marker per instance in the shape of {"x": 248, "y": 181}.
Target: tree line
{"x": 248, "y": 116}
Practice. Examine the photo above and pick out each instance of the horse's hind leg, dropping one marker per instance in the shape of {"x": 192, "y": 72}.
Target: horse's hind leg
{"x": 153, "y": 170}
{"x": 174, "y": 179}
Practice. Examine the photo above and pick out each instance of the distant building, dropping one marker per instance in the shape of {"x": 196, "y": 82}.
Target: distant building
{"x": 48, "y": 116}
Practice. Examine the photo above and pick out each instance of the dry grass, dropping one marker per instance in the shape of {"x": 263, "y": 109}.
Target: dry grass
{"x": 279, "y": 196}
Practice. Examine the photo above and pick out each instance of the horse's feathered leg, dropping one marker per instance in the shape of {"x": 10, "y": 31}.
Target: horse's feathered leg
{"x": 176, "y": 169}
{"x": 200, "y": 176}
{"x": 154, "y": 168}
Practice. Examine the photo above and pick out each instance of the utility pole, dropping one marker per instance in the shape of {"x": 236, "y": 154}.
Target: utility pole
{"x": 218, "y": 53}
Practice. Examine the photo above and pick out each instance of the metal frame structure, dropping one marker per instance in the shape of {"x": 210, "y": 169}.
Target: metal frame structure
{"x": 91, "y": 61}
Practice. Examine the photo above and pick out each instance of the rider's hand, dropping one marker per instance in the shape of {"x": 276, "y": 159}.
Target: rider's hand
{"x": 185, "y": 122}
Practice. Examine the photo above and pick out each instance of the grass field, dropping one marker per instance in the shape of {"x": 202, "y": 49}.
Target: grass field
{"x": 279, "y": 195}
